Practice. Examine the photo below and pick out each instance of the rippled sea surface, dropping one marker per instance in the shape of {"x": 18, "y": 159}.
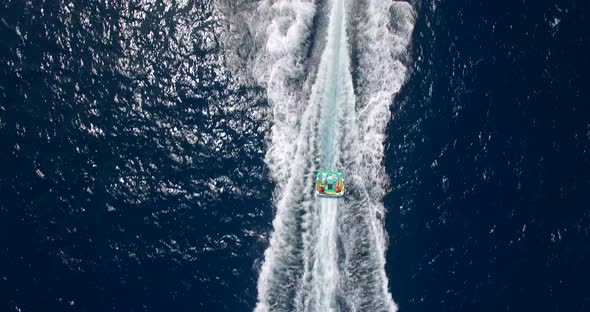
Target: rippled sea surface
{"x": 489, "y": 156}
{"x": 132, "y": 173}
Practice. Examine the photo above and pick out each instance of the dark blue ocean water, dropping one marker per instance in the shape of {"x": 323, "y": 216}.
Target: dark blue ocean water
{"x": 132, "y": 173}
{"x": 489, "y": 156}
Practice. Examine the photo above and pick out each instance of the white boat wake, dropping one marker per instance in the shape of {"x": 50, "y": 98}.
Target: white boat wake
{"x": 326, "y": 254}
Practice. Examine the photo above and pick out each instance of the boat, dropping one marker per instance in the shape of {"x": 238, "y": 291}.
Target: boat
{"x": 329, "y": 184}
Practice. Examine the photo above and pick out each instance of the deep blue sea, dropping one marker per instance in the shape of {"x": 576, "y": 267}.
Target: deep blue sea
{"x": 133, "y": 174}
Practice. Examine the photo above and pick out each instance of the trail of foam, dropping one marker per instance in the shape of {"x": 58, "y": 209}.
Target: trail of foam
{"x": 280, "y": 67}
{"x": 326, "y": 273}
{"x": 332, "y": 90}
{"x": 381, "y": 42}
{"x": 322, "y": 255}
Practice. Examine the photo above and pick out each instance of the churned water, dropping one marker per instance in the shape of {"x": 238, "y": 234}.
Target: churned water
{"x": 161, "y": 155}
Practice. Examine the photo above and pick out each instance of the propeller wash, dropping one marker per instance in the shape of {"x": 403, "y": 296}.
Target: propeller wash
{"x": 325, "y": 254}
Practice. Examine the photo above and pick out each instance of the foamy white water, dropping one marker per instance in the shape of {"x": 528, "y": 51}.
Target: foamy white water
{"x": 325, "y": 268}
{"x": 327, "y": 254}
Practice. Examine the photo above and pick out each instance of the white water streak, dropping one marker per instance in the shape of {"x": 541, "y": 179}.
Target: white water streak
{"x": 326, "y": 261}
{"x": 327, "y": 255}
